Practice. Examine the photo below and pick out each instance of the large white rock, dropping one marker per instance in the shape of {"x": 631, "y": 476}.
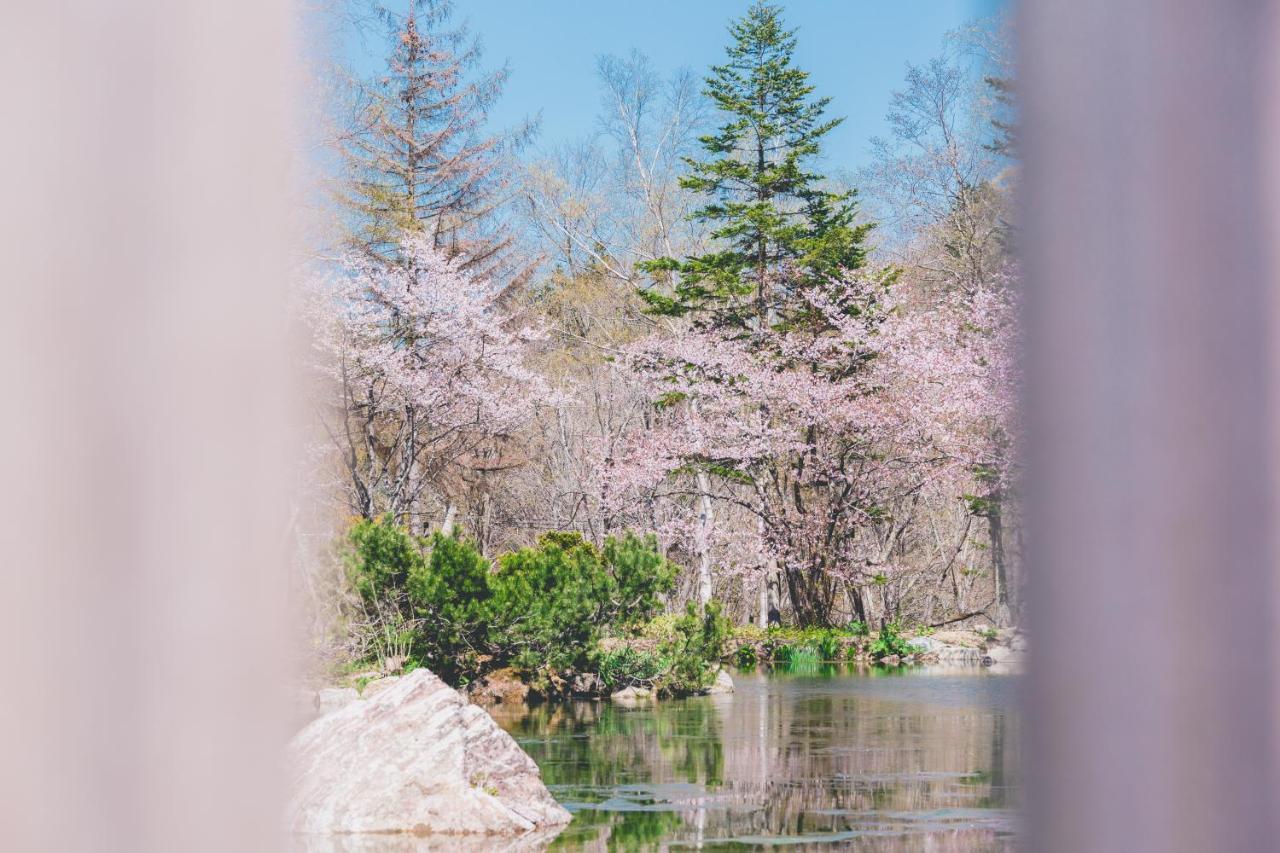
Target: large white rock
{"x": 722, "y": 684}
{"x": 415, "y": 758}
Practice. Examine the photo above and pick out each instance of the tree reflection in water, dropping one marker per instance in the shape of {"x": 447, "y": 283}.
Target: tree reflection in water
{"x": 865, "y": 760}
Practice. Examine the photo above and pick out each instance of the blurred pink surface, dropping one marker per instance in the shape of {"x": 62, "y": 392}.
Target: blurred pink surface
{"x": 1150, "y": 238}
{"x": 145, "y": 430}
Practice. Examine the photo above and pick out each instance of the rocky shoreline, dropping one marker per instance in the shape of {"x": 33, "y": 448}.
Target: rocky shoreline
{"x": 416, "y": 757}
{"x": 1003, "y": 650}
{"x": 408, "y": 754}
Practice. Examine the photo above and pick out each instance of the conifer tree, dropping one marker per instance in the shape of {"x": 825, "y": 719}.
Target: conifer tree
{"x": 419, "y": 158}
{"x": 777, "y": 230}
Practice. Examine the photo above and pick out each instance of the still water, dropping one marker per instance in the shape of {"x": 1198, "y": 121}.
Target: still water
{"x": 816, "y": 759}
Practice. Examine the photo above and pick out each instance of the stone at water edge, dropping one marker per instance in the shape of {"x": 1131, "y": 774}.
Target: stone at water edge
{"x": 632, "y": 696}
{"x": 499, "y": 687}
{"x": 722, "y": 684}
{"x": 415, "y": 758}
{"x": 1004, "y": 657}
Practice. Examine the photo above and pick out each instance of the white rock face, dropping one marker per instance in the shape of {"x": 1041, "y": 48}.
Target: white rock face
{"x": 332, "y": 698}
{"x": 722, "y": 684}
{"x": 415, "y": 758}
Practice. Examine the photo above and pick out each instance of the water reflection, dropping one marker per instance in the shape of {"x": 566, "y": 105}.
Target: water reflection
{"x": 816, "y": 759}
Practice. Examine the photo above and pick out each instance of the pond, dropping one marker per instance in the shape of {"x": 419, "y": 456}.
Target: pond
{"x": 817, "y": 759}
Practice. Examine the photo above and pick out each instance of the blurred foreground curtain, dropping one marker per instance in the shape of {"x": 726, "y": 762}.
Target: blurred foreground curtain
{"x": 1151, "y": 245}
{"x": 143, "y": 443}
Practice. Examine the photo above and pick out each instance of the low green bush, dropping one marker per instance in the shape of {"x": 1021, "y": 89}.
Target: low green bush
{"x": 552, "y": 600}
{"x": 828, "y": 646}
{"x": 890, "y": 642}
{"x": 437, "y": 601}
{"x": 628, "y": 667}
{"x": 453, "y": 603}
{"x": 380, "y": 558}
{"x": 694, "y": 654}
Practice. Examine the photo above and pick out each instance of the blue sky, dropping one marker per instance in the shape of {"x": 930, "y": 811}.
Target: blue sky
{"x": 855, "y": 50}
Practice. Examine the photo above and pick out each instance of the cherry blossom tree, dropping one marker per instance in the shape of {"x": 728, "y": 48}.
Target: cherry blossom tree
{"x": 827, "y": 434}
{"x": 432, "y": 375}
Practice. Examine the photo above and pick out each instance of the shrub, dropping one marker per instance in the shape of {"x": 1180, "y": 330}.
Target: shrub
{"x": 551, "y": 600}
{"x": 626, "y": 667}
{"x": 381, "y": 558}
{"x": 890, "y": 642}
{"x": 640, "y": 574}
{"x": 828, "y": 646}
{"x": 694, "y": 654}
{"x": 548, "y": 602}
{"x": 437, "y": 602}
{"x": 452, "y": 599}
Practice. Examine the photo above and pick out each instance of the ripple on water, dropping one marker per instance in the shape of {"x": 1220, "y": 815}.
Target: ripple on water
{"x": 819, "y": 760}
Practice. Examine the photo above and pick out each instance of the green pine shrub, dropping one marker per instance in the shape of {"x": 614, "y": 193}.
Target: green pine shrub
{"x": 451, "y": 597}
{"x": 694, "y": 654}
{"x": 438, "y": 602}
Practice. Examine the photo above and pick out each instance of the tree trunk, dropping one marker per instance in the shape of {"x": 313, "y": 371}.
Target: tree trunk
{"x": 702, "y": 538}
{"x": 995, "y": 530}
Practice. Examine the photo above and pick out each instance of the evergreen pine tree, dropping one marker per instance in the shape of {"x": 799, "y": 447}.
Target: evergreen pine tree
{"x": 777, "y": 230}
{"x": 419, "y": 159}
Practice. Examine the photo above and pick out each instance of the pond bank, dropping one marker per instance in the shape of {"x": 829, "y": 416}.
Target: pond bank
{"x": 1003, "y": 650}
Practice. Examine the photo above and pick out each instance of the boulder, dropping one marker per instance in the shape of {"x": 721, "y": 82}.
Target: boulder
{"x": 722, "y": 684}
{"x": 968, "y": 639}
{"x": 632, "y": 696}
{"x": 531, "y": 842}
{"x": 502, "y": 686}
{"x": 373, "y": 688}
{"x": 960, "y": 655}
{"x": 1004, "y": 659}
{"x": 415, "y": 758}
{"x": 587, "y": 684}
{"x": 331, "y": 699}
{"x": 961, "y": 648}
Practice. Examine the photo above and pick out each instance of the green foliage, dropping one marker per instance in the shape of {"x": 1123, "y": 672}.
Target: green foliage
{"x": 804, "y": 655}
{"x": 814, "y": 644}
{"x": 858, "y": 628}
{"x": 627, "y": 667}
{"x": 829, "y": 646}
{"x": 438, "y": 603}
{"x": 381, "y": 557}
{"x": 745, "y": 657}
{"x": 766, "y": 208}
{"x": 693, "y": 655}
{"x": 890, "y": 642}
{"x": 660, "y": 627}
{"x": 988, "y": 634}
{"x": 552, "y": 600}
{"x": 640, "y": 574}
{"x": 685, "y": 661}
{"x": 450, "y": 594}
